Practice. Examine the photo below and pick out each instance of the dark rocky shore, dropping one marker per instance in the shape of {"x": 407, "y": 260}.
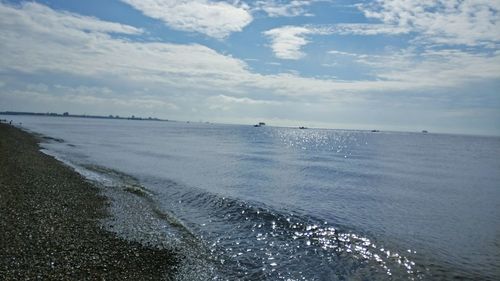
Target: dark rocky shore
{"x": 49, "y": 223}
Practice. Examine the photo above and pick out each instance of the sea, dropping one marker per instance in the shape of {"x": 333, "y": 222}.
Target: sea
{"x": 239, "y": 202}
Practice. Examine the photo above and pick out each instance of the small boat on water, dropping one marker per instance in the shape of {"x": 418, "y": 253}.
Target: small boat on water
{"x": 375, "y": 131}
{"x": 302, "y": 128}
{"x": 424, "y": 131}
{"x": 260, "y": 124}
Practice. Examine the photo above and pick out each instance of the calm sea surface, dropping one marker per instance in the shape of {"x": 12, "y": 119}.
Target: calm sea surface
{"x": 288, "y": 204}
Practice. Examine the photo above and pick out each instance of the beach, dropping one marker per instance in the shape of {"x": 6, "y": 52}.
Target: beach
{"x": 233, "y": 202}
{"x": 50, "y": 223}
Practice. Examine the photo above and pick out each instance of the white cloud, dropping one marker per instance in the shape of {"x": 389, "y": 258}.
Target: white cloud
{"x": 342, "y": 53}
{"x": 439, "y": 68}
{"x": 242, "y": 100}
{"x": 213, "y": 18}
{"x": 367, "y": 29}
{"x": 428, "y": 68}
{"x": 287, "y": 41}
{"x": 45, "y": 19}
{"x": 467, "y": 22}
{"x": 276, "y": 8}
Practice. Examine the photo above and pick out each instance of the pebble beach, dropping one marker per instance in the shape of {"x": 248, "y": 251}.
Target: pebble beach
{"x": 50, "y": 223}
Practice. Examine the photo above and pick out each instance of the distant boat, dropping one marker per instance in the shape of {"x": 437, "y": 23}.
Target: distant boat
{"x": 375, "y": 131}
{"x": 302, "y": 128}
{"x": 260, "y": 124}
{"x": 424, "y": 131}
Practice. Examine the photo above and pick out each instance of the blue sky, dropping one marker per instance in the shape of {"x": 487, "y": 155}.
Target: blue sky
{"x": 386, "y": 64}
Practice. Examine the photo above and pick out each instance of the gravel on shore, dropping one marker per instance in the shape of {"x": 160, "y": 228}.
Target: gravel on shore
{"x": 49, "y": 223}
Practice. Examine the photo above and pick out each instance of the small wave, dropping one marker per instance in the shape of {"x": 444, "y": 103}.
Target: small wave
{"x": 254, "y": 241}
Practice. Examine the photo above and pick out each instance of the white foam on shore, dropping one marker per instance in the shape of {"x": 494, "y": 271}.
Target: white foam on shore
{"x": 135, "y": 217}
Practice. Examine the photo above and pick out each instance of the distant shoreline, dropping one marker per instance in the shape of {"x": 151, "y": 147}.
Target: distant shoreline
{"x": 66, "y": 114}
{"x": 50, "y": 220}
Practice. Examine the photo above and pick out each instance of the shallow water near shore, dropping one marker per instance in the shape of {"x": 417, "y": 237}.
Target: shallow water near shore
{"x": 281, "y": 203}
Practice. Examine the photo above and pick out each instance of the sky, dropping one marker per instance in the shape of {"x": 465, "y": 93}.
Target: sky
{"x": 398, "y": 65}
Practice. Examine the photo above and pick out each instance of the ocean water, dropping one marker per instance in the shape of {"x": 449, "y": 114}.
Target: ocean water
{"x": 273, "y": 203}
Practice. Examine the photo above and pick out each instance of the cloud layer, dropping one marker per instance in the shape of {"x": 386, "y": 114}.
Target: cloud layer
{"x": 62, "y": 42}
{"x": 468, "y": 22}
{"x": 452, "y": 22}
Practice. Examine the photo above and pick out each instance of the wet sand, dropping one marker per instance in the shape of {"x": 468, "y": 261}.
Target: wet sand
{"x": 49, "y": 223}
